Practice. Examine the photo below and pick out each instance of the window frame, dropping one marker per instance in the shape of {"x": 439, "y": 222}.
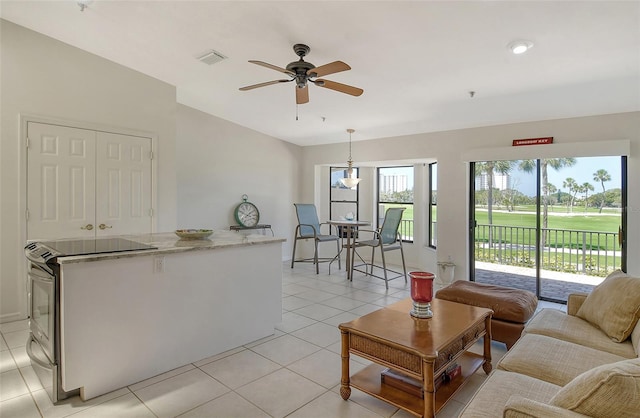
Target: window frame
{"x": 380, "y": 216}
{"x": 432, "y": 236}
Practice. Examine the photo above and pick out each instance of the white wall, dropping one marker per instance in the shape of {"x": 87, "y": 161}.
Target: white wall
{"x": 44, "y": 77}
{"x": 218, "y": 161}
{"x": 586, "y": 136}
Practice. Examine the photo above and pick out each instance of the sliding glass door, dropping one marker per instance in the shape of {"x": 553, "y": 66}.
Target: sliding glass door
{"x": 551, "y": 226}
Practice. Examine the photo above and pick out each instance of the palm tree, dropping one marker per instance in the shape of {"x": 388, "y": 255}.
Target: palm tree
{"x": 585, "y": 188}
{"x": 489, "y": 168}
{"x": 574, "y": 188}
{"x": 557, "y": 164}
{"x": 602, "y": 176}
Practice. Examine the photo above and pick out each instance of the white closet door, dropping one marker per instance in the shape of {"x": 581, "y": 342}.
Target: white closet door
{"x": 123, "y": 184}
{"x": 60, "y": 182}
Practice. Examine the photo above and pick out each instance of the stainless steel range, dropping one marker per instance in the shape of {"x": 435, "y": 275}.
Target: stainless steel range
{"x": 43, "y": 345}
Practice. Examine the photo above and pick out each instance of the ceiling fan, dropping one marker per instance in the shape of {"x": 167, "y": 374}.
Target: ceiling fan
{"x": 303, "y": 73}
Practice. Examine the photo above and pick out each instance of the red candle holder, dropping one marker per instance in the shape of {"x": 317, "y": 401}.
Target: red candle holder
{"x": 421, "y": 293}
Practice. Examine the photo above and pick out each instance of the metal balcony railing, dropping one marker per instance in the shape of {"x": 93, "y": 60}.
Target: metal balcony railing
{"x": 593, "y": 253}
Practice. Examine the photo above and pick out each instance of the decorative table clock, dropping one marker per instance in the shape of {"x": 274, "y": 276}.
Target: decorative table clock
{"x": 247, "y": 213}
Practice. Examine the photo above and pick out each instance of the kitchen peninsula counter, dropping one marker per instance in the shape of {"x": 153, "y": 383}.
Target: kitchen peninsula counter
{"x": 126, "y": 317}
{"x": 168, "y": 242}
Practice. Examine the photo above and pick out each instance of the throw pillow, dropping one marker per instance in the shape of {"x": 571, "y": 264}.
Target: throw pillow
{"x": 613, "y": 306}
{"x": 611, "y": 390}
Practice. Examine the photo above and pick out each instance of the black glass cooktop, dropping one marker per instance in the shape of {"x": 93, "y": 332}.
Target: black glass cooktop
{"x": 96, "y": 246}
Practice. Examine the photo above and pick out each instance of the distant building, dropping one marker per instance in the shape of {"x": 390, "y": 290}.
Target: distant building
{"x": 500, "y": 181}
{"x": 393, "y": 183}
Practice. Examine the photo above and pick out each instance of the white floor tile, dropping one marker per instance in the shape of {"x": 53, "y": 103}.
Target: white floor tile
{"x": 281, "y": 392}
{"x": 3, "y": 344}
{"x": 219, "y": 356}
{"x": 15, "y": 326}
{"x": 291, "y": 321}
{"x": 30, "y": 377}
{"x": 323, "y": 367}
{"x": 318, "y": 311}
{"x": 122, "y": 407}
{"x": 319, "y": 334}
{"x": 386, "y": 300}
{"x": 451, "y": 410}
{"x": 286, "y": 349}
{"x": 16, "y": 338}
{"x": 315, "y": 295}
{"x": 6, "y": 361}
{"x": 12, "y": 385}
{"x": 294, "y": 288}
{"x": 181, "y": 393}
{"x": 72, "y": 405}
{"x": 20, "y": 356}
{"x": 332, "y": 405}
{"x": 341, "y": 318}
{"x": 241, "y": 368}
{"x": 365, "y": 309}
{"x": 291, "y": 303}
{"x": 160, "y": 377}
{"x": 276, "y": 334}
{"x": 373, "y": 404}
{"x": 230, "y": 405}
{"x": 343, "y": 303}
{"x": 21, "y": 406}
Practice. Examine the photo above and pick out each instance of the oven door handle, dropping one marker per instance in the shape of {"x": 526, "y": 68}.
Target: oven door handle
{"x": 32, "y": 356}
{"x": 41, "y": 268}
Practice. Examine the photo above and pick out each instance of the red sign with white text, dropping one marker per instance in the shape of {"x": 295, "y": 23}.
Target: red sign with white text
{"x": 532, "y": 141}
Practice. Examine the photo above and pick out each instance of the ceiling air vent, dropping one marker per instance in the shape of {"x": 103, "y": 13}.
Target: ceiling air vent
{"x": 210, "y": 57}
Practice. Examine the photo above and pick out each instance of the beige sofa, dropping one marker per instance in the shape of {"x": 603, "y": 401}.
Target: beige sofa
{"x": 572, "y": 365}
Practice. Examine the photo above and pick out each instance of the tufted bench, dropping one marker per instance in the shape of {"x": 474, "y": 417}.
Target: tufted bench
{"x": 512, "y": 308}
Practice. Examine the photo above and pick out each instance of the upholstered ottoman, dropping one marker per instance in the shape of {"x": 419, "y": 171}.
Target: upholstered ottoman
{"x": 512, "y": 308}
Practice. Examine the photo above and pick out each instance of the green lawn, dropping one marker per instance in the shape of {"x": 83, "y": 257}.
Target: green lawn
{"x": 579, "y": 222}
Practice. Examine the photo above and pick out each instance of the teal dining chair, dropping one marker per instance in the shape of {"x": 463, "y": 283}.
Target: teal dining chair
{"x": 309, "y": 229}
{"x": 386, "y": 238}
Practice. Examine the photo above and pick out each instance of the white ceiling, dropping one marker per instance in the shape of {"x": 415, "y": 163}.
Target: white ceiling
{"x": 416, "y": 61}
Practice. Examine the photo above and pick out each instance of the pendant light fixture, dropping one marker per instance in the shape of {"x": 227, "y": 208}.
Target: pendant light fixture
{"x": 350, "y": 180}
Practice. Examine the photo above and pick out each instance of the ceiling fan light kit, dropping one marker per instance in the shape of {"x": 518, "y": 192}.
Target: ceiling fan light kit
{"x": 350, "y": 180}
{"x": 303, "y": 73}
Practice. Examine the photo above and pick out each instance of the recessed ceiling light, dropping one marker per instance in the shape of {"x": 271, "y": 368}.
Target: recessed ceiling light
{"x": 520, "y": 47}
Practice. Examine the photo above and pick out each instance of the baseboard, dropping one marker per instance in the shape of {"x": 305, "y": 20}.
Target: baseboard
{"x": 11, "y": 317}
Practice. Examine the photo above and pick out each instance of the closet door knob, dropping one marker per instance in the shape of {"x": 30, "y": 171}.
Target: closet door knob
{"x": 88, "y": 227}
{"x": 103, "y": 226}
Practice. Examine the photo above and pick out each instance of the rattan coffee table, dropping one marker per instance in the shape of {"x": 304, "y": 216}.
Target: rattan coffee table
{"x": 420, "y": 349}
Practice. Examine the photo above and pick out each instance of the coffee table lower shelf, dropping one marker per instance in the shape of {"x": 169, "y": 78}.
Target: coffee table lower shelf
{"x": 368, "y": 380}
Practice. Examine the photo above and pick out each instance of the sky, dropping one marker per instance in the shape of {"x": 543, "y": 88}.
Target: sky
{"x": 581, "y": 172}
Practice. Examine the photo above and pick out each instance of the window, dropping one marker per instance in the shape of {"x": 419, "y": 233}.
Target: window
{"x": 433, "y": 204}
{"x": 395, "y": 189}
{"x": 343, "y": 201}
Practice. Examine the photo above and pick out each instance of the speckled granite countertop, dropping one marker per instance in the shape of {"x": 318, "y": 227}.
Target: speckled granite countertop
{"x": 168, "y": 242}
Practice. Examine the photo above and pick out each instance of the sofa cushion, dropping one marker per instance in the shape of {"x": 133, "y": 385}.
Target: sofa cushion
{"x": 614, "y": 305}
{"x": 612, "y": 390}
{"x": 552, "y": 360}
{"x": 492, "y": 396}
{"x": 520, "y": 407}
{"x": 557, "y": 324}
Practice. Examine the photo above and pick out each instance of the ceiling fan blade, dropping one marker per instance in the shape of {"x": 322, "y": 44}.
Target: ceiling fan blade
{"x": 302, "y": 95}
{"x": 331, "y": 68}
{"x": 273, "y": 67}
{"x": 268, "y": 83}
{"x": 342, "y": 88}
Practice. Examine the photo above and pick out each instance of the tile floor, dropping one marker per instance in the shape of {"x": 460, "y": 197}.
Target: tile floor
{"x": 293, "y": 373}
